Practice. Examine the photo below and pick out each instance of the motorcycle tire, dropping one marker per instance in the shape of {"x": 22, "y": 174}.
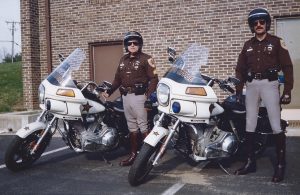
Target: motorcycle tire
{"x": 18, "y": 157}
{"x": 142, "y": 165}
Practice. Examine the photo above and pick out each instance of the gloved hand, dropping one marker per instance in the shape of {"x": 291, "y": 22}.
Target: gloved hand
{"x": 286, "y": 98}
{"x": 148, "y": 104}
{"x": 105, "y": 94}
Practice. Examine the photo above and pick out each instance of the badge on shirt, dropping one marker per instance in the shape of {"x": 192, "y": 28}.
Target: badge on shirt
{"x": 270, "y": 47}
{"x": 151, "y": 62}
{"x": 136, "y": 65}
{"x": 121, "y": 66}
{"x": 283, "y": 45}
{"x": 249, "y": 49}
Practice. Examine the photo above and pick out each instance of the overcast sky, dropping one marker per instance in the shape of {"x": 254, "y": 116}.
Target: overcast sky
{"x": 9, "y": 12}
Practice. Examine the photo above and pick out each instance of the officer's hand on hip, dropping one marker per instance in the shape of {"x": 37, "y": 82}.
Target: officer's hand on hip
{"x": 285, "y": 98}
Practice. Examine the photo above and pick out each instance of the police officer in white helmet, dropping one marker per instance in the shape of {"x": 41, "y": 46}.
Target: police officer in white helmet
{"x": 136, "y": 79}
{"x": 259, "y": 62}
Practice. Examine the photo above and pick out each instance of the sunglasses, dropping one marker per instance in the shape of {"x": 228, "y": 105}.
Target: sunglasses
{"x": 132, "y": 42}
{"x": 261, "y": 22}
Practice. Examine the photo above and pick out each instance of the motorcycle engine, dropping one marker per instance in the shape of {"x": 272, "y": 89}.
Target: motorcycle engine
{"x": 214, "y": 143}
{"x": 99, "y": 137}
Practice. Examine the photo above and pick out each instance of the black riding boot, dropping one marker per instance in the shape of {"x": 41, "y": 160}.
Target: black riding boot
{"x": 280, "y": 152}
{"x": 250, "y": 165}
{"x": 133, "y": 153}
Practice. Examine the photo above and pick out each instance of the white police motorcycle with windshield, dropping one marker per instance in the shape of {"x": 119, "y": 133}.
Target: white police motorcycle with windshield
{"x": 85, "y": 122}
{"x": 192, "y": 119}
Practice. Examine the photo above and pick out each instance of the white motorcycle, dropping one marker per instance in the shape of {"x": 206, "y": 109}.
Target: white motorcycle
{"x": 85, "y": 122}
{"x": 190, "y": 114}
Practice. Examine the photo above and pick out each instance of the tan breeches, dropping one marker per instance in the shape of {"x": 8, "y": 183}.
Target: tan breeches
{"x": 135, "y": 113}
{"x": 267, "y": 92}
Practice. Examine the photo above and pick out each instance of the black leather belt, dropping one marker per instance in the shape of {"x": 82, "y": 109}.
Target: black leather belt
{"x": 271, "y": 76}
{"x": 260, "y": 76}
{"x": 126, "y": 90}
{"x": 138, "y": 89}
{"x": 130, "y": 89}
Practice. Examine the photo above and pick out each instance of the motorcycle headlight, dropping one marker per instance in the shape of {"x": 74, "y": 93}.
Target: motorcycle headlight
{"x": 41, "y": 94}
{"x": 163, "y": 94}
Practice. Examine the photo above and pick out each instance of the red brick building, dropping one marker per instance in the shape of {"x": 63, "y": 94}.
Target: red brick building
{"x": 51, "y": 27}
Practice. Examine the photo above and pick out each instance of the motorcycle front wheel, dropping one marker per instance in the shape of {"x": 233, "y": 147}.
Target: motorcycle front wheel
{"x": 142, "y": 164}
{"x": 18, "y": 155}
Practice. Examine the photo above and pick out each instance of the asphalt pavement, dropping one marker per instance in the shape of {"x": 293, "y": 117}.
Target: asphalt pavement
{"x": 62, "y": 171}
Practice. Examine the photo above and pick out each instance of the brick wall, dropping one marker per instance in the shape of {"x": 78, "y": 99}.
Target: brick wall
{"x": 30, "y": 52}
{"x": 217, "y": 24}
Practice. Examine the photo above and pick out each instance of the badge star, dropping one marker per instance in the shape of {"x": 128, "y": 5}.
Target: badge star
{"x": 155, "y": 133}
{"x": 86, "y": 107}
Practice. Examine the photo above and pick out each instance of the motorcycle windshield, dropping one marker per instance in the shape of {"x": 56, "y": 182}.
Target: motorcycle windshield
{"x": 62, "y": 75}
{"x": 186, "y": 68}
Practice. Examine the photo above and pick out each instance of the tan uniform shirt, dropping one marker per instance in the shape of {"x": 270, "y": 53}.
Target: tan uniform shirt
{"x": 133, "y": 70}
{"x": 258, "y": 56}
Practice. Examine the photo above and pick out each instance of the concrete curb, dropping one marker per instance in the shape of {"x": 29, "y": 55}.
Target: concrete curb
{"x": 15, "y": 120}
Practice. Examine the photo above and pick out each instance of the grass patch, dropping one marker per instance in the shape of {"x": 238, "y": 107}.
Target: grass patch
{"x": 11, "y": 87}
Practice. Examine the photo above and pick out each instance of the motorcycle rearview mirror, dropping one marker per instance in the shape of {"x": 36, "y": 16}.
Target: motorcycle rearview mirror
{"x": 61, "y": 57}
{"x": 171, "y": 59}
{"x": 234, "y": 80}
{"x": 172, "y": 54}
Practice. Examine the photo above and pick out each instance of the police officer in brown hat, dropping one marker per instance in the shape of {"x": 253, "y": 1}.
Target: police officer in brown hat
{"x": 136, "y": 79}
{"x": 258, "y": 64}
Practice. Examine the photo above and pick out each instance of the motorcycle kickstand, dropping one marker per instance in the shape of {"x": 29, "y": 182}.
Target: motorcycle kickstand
{"x": 222, "y": 167}
{"x": 105, "y": 160}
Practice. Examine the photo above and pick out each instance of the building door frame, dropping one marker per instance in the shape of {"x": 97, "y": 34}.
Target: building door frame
{"x": 288, "y": 28}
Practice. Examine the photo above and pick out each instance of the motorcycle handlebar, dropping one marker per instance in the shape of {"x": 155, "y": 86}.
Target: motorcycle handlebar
{"x": 230, "y": 89}
{"x": 223, "y": 84}
{"x": 100, "y": 88}
{"x": 104, "y": 86}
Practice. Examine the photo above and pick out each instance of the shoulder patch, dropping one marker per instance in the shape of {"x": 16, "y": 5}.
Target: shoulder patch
{"x": 283, "y": 45}
{"x": 151, "y": 62}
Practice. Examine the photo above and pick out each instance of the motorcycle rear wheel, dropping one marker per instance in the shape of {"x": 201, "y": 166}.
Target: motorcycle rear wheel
{"x": 18, "y": 157}
{"x": 142, "y": 165}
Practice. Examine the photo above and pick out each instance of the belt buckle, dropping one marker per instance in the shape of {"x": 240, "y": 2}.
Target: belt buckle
{"x": 258, "y": 76}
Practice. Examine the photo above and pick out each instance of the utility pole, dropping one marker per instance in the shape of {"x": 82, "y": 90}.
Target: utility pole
{"x": 13, "y": 29}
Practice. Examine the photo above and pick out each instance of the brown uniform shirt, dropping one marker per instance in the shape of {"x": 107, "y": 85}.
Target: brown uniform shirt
{"x": 258, "y": 56}
{"x": 134, "y": 70}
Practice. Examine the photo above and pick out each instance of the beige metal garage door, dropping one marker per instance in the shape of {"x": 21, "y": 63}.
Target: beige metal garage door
{"x": 288, "y": 29}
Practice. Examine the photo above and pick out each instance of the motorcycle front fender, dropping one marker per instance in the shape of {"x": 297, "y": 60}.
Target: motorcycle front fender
{"x": 156, "y": 135}
{"x": 30, "y": 128}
